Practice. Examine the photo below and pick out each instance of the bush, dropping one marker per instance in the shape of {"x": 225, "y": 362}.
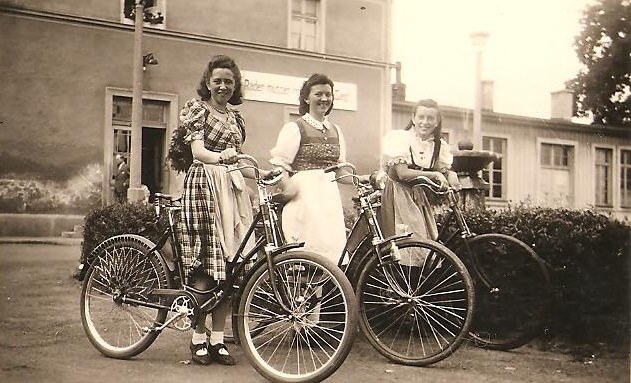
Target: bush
{"x": 589, "y": 257}
{"x": 119, "y": 218}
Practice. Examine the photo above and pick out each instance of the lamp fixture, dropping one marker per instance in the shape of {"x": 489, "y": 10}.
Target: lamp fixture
{"x": 148, "y": 59}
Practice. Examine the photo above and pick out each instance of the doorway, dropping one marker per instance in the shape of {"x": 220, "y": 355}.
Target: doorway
{"x": 152, "y": 159}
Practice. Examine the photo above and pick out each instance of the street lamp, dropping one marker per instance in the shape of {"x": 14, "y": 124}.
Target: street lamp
{"x": 478, "y": 41}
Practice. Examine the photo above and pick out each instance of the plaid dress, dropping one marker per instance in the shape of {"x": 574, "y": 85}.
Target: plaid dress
{"x": 216, "y": 208}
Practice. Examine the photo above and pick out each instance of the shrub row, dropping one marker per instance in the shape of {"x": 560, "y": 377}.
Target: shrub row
{"x": 589, "y": 257}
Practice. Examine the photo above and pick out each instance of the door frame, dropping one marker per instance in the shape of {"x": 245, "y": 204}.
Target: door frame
{"x": 108, "y": 144}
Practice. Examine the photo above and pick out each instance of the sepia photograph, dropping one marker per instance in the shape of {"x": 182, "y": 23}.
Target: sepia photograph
{"x": 303, "y": 191}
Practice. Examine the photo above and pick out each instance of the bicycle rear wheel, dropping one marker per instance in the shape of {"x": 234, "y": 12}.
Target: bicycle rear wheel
{"x": 124, "y": 268}
{"x": 513, "y": 291}
{"x": 415, "y": 311}
{"x": 311, "y": 341}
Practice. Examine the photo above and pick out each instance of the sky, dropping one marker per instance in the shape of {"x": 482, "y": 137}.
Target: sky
{"x": 528, "y": 54}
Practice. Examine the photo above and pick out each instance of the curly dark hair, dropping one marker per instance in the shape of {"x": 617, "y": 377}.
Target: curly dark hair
{"x": 221, "y": 61}
{"x": 315, "y": 79}
{"x": 428, "y": 103}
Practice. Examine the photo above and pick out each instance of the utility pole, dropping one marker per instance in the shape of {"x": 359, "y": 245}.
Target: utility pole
{"x": 135, "y": 192}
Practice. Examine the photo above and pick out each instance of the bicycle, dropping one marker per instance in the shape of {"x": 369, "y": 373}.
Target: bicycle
{"x": 131, "y": 292}
{"x": 512, "y": 282}
{"x": 415, "y": 297}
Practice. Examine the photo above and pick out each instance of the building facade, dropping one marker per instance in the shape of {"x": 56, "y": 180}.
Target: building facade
{"x": 67, "y": 73}
{"x": 545, "y": 162}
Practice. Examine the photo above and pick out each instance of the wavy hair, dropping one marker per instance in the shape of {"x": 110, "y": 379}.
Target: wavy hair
{"x": 315, "y": 79}
{"x": 221, "y": 61}
{"x": 428, "y": 103}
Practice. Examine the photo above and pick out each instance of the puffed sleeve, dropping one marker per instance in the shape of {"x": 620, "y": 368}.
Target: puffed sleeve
{"x": 287, "y": 146}
{"x": 342, "y": 145}
{"x": 445, "y": 157}
{"x": 193, "y": 116}
{"x": 396, "y": 147}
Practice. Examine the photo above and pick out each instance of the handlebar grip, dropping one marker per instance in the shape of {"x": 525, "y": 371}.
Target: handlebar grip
{"x": 427, "y": 182}
{"x": 332, "y": 168}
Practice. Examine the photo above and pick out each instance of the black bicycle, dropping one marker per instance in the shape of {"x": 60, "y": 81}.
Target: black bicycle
{"x": 131, "y": 293}
{"x": 512, "y": 283}
{"x": 416, "y": 298}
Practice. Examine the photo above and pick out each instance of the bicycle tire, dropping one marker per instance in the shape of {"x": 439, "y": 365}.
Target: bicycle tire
{"x": 428, "y": 318}
{"x": 513, "y": 291}
{"x": 124, "y": 267}
{"x": 297, "y": 346}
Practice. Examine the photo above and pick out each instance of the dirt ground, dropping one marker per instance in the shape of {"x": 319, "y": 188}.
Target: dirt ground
{"x": 42, "y": 340}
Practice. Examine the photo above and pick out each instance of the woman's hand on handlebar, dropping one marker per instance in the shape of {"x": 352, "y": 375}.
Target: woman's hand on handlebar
{"x": 228, "y": 156}
{"x": 439, "y": 179}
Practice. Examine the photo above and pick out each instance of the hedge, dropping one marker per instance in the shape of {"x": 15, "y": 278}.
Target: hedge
{"x": 589, "y": 257}
{"x": 115, "y": 219}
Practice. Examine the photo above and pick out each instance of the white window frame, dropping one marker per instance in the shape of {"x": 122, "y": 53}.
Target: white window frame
{"x": 161, "y": 6}
{"x": 612, "y": 175}
{"x": 616, "y": 176}
{"x": 505, "y": 162}
{"x": 572, "y": 164}
{"x": 320, "y": 23}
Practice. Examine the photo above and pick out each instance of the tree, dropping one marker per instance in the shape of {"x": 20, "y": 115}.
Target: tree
{"x": 603, "y": 85}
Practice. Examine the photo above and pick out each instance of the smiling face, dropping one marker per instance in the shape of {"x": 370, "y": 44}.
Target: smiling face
{"x": 320, "y": 99}
{"x": 221, "y": 85}
{"x": 425, "y": 121}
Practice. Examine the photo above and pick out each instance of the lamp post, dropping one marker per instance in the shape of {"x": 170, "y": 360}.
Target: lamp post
{"x": 135, "y": 192}
{"x": 478, "y": 40}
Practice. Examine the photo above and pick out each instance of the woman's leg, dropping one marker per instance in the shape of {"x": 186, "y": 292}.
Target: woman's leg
{"x": 218, "y": 350}
{"x": 199, "y": 345}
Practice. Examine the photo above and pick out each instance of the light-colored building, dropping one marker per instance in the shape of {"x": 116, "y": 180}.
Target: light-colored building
{"x": 545, "y": 162}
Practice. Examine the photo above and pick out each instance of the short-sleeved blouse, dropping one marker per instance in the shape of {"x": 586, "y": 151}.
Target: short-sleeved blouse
{"x": 404, "y": 147}
{"x": 288, "y": 142}
{"x": 203, "y": 125}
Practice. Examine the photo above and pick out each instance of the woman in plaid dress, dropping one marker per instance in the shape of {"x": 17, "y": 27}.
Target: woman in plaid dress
{"x": 216, "y": 208}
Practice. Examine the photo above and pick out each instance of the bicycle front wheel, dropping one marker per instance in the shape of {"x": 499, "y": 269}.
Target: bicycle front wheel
{"x": 513, "y": 291}
{"x": 415, "y": 307}
{"x": 123, "y": 269}
{"x": 309, "y": 342}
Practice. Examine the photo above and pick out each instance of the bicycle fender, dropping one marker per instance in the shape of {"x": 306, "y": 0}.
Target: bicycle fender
{"x": 135, "y": 237}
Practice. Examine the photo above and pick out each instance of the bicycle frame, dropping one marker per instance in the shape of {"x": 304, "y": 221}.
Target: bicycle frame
{"x": 269, "y": 245}
{"x": 366, "y": 228}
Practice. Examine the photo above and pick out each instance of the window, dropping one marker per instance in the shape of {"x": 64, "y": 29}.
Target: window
{"x": 625, "y": 178}
{"x": 603, "y": 173}
{"x": 556, "y": 176}
{"x": 305, "y": 25}
{"x": 494, "y": 172}
{"x": 555, "y": 156}
{"x": 154, "y": 13}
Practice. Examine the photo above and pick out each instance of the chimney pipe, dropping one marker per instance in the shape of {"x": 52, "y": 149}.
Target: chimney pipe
{"x": 562, "y": 105}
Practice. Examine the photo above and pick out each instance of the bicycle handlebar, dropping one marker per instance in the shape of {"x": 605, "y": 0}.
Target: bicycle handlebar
{"x": 429, "y": 184}
{"x": 274, "y": 176}
{"x": 340, "y": 166}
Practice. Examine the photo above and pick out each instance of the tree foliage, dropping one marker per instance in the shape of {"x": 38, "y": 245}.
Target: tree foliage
{"x": 603, "y": 86}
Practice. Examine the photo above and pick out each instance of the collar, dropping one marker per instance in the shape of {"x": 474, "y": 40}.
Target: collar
{"x": 320, "y": 125}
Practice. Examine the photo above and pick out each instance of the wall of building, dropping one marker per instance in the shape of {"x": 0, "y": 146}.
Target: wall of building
{"x": 56, "y": 70}
{"x": 523, "y": 180}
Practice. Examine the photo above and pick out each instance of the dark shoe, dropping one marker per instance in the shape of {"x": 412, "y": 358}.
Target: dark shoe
{"x": 200, "y": 359}
{"x": 225, "y": 358}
